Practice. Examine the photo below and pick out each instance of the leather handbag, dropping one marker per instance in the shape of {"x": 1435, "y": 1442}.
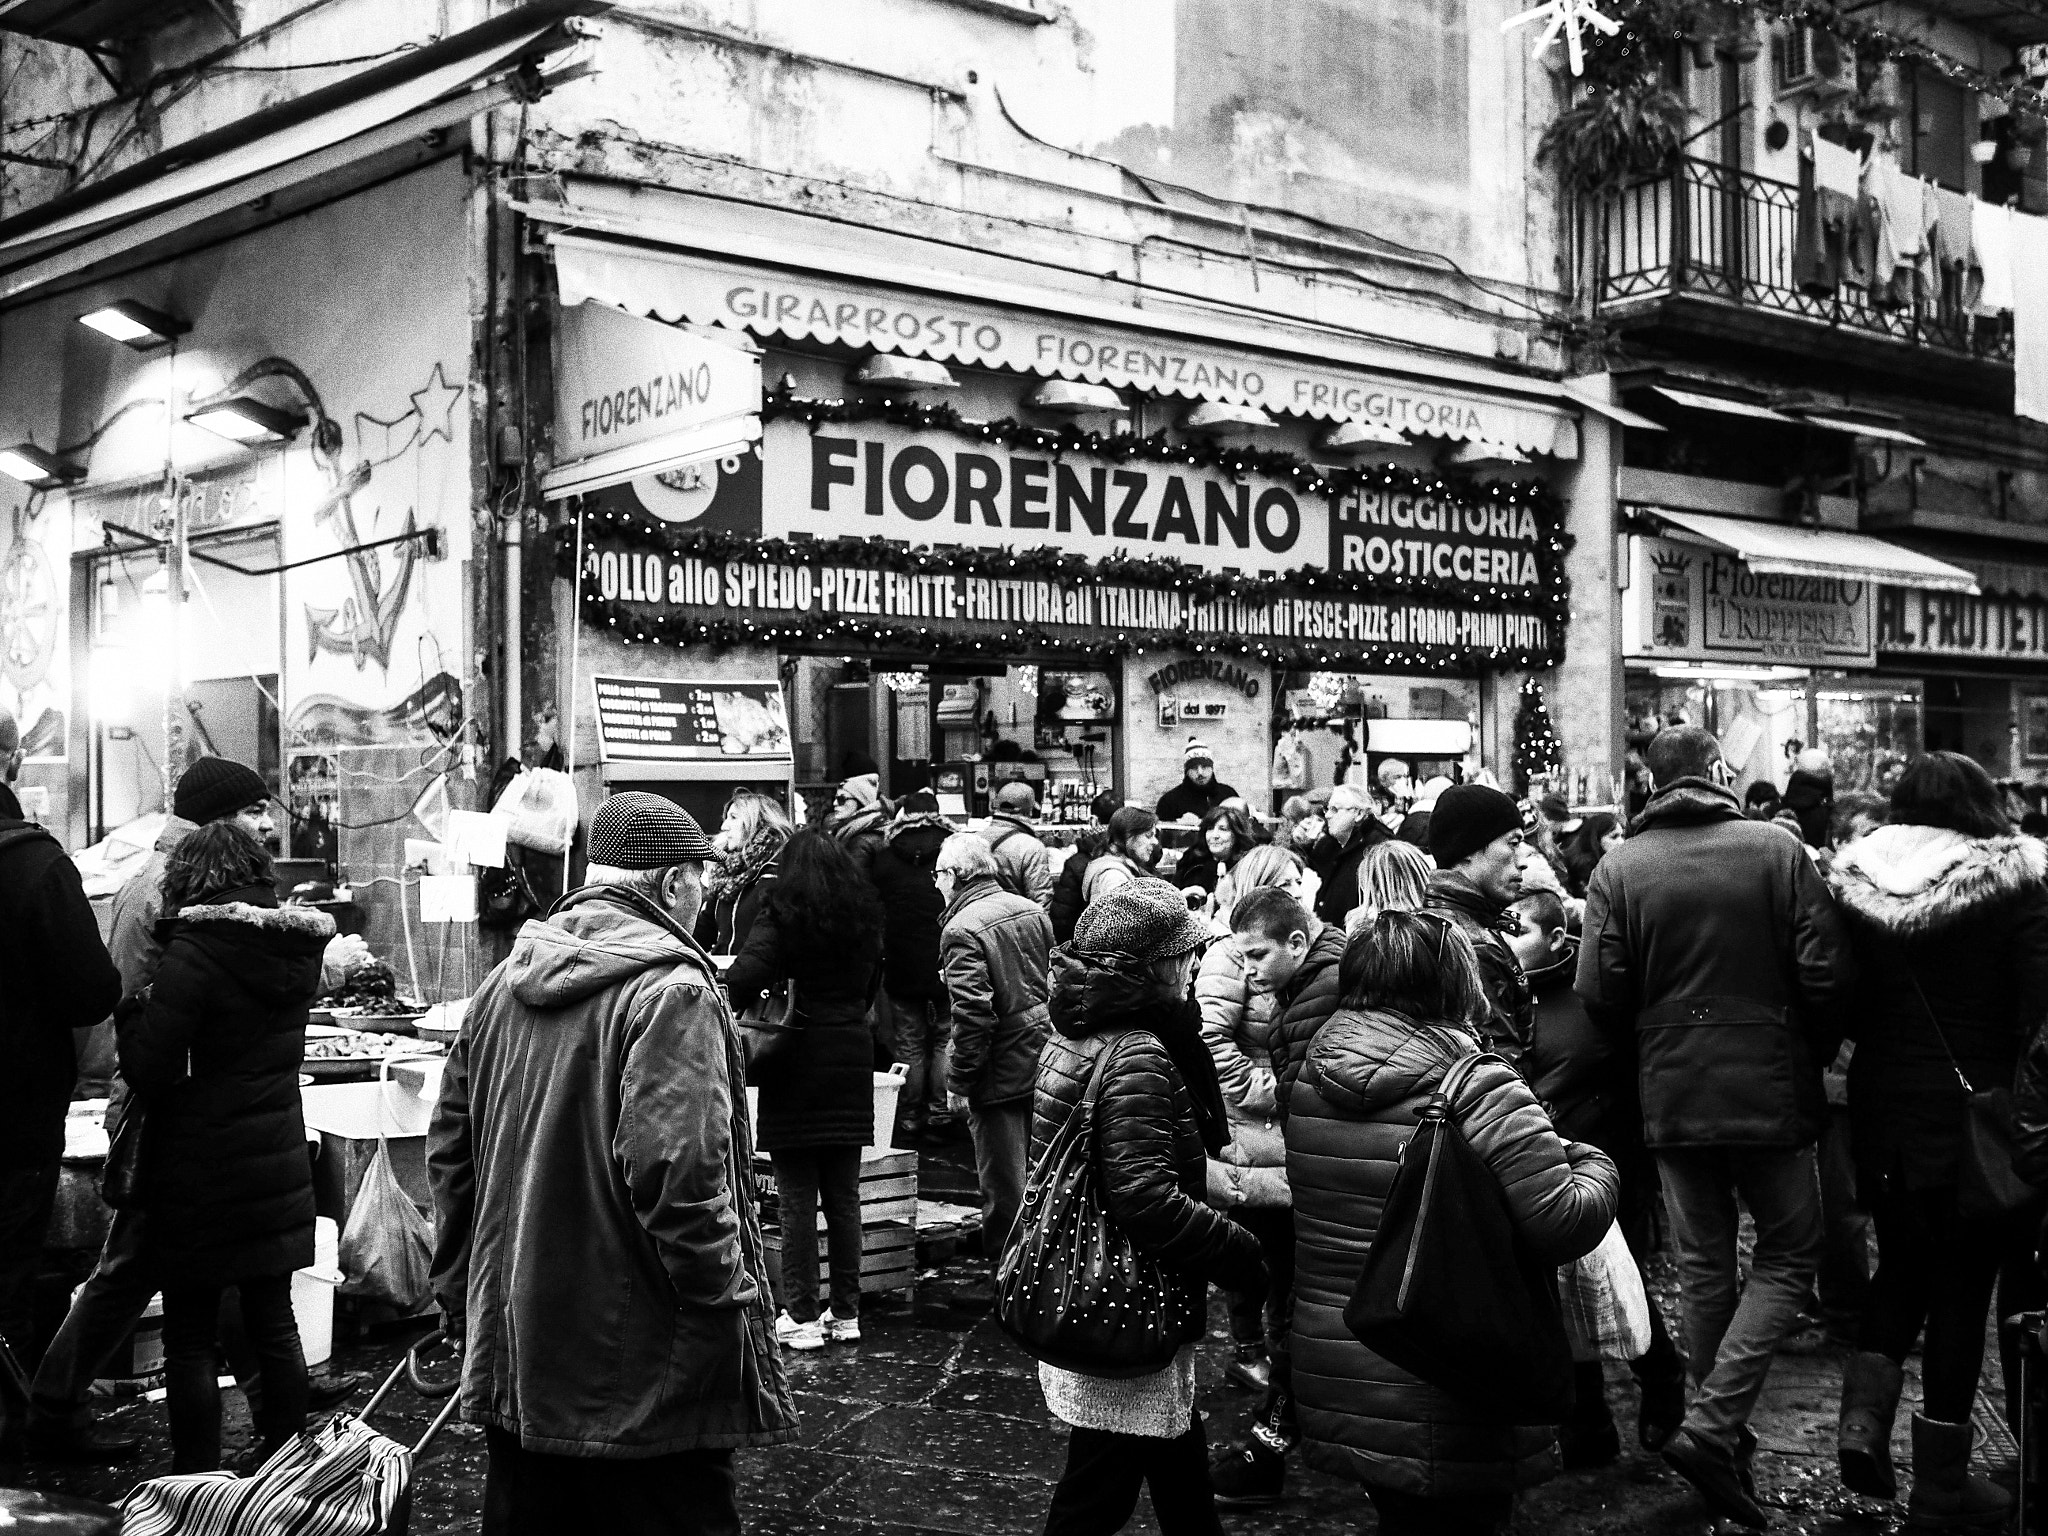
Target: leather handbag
{"x": 769, "y": 1031}
{"x": 1988, "y": 1186}
{"x": 1072, "y": 1289}
{"x": 121, "y": 1178}
{"x": 1450, "y": 1293}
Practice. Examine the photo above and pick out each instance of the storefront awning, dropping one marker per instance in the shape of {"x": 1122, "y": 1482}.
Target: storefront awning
{"x": 1692, "y": 400}
{"x": 1778, "y": 549}
{"x": 656, "y": 457}
{"x": 1870, "y": 429}
{"x": 785, "y": 288}
{"x": 429, "y": 89}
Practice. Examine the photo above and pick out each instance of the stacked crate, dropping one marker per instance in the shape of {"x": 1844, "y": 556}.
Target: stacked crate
{"x": 888, "y": 1221}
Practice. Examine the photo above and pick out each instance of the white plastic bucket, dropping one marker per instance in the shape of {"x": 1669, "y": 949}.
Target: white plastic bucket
{"x": 313, "y": 1293}
{"x": 887, "y": 1086}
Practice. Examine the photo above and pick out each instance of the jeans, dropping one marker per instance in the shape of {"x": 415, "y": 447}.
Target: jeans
{"x": 802, "y": 1177}
{"x": 28, "y": 1194}
{"x": 922, "y": 1030}
{"x": 1732, "y": 1329}
{"x": 103, "y": 1314}
{"x": 1002, "y": 1151}
{"x": 1934, "y": 1270}
{"x": 1410, "y": 1514}
{"x": 531, "y": 1493}
{"x": 1098, "y": 1492}
{"x": 192, "y": 1367}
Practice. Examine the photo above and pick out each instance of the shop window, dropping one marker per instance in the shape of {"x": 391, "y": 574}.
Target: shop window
{"x": 1973, "y": 716}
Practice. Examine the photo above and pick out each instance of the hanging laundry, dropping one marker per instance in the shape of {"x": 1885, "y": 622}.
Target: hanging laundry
{"x": 1836, "y": 169}
{"x": 2030, "y": 316}
{"x": 1904, "y": 217}
{"x": 1991, "y": 237}
{"x": 1956, "y": 274}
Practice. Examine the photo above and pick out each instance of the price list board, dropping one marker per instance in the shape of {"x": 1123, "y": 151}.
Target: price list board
{"x": 666, "y": 719}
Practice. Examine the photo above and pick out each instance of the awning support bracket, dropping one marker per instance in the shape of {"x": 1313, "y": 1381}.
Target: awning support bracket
{"x": 430, "y": 536}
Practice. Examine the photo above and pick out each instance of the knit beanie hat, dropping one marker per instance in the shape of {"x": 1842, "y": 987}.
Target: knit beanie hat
{"x": 637, "y": 830}
{"x": 1017, "y": 798}
{"x": 1197, "y": 752}
{"x": 863, "y": 790}
{"x": 1146, "y": 919}
{"x": 921, "y": 802}
{"x": 1466, "y": 818}
{"x": 213, "y": 788}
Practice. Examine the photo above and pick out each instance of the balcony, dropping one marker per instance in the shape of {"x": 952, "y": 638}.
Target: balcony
{"x": 1708, "y": 257}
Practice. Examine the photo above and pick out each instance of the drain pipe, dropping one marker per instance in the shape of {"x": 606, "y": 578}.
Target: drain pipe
{"x": 511, "y": 544}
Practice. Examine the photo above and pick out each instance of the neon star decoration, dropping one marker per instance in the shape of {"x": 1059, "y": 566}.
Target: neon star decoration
{"x": 1567, "y": 17}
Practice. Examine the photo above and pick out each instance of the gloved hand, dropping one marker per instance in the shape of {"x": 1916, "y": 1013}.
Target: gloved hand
{"x": 456, "y": 1326}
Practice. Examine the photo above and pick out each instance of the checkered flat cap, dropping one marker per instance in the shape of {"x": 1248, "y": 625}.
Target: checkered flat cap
{"x": 637, "y": 830}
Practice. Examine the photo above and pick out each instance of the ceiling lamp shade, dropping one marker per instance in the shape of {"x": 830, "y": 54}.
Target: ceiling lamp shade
{"x": 1477, "y": 451}
{"x": 1359, "y": 437}
{"x": 885, "y": 369}
{"x": 1221, "y": 416}
{"x": 248, "y": 421}
{"x": 1068, "y": 397}
{"x": 135, "y": 325}
{"x": 37, "y": 468}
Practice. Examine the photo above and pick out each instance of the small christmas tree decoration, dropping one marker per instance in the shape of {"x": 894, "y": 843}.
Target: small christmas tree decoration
{"x": 1537, "y": 753}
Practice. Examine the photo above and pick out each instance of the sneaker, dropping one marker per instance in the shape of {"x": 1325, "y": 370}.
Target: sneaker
{"x": 1248, "y": 1474}
{"x": 791, "y": 1334}
{"x": 839, "y": 1330}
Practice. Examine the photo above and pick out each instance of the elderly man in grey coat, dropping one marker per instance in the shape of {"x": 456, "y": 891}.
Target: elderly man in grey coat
{"x": 598, "y": 1244}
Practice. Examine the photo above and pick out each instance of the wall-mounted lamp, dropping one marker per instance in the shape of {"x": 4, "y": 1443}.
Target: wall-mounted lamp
{"x": 1066, "y": 397}
{"x": 1359, "y": 437}
{"x": 1222, "y": 415}
{"x": 1472, "y": 454}
{"x": 885, "y": 368}
{"x": 248, "y": 421}
{"x": 37, "y": 468}
{"x": 136, "y": 325}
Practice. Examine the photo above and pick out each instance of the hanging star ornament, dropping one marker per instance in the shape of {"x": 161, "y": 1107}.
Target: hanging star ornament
{"x": 1566, "y": 16}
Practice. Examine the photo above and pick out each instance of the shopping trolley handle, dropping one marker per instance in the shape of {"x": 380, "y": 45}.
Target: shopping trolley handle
{"x": 416, "y": 1370}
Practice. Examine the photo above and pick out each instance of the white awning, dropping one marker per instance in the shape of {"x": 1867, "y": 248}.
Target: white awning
{"x": 1619, "y": 414}
{"x": 1862, "y": 429}
{"x": 713, "y": 440}
{"x": 1693, "y": 401}
{"x": 1778, "y": 549}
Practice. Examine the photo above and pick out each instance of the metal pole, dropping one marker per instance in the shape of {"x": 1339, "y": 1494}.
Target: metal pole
{"x": 567, "y": 723}
{"x": 174, "y": 686}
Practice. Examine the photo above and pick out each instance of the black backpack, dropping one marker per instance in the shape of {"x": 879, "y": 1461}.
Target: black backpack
{"x": 1067, "y": 900}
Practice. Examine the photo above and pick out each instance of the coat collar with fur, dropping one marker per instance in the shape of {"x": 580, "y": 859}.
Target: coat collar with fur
{"x": 1915, "y": 880}
{"x": 302, "y": 921}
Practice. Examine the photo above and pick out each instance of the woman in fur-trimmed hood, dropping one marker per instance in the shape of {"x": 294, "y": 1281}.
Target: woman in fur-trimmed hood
{"x": 1948, "y": 911}
{"x": 211, "y": 1050}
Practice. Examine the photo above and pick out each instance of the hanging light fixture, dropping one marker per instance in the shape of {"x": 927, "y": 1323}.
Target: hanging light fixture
{"x": 1222, "y": 416}
{"x": 886, "y": 369}
{"x": 1359, "y": 437}
{"x": 1070, "y": 397}
{"x": 248, "y": 421}
{"x": 38, "y": 468}
{"x": 135, "y": 325}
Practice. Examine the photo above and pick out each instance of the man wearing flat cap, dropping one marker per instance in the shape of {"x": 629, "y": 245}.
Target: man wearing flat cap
{"x": 597, "y": 1242}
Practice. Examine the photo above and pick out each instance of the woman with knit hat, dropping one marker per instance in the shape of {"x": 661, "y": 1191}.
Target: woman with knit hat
{"x": 1120, "y": 1005}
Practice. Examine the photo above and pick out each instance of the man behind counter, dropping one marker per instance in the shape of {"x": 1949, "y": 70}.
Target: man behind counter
{"x": 1198, "y": 793}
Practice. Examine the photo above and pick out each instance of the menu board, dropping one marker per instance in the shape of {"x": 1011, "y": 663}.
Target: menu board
{"x": 664, "y": 718}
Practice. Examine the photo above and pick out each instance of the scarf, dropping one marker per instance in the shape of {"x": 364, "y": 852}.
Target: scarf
{"x": 1094, "y": 990}
{"x": 736, "y": 871}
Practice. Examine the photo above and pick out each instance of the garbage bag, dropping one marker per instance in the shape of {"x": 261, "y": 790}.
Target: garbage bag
{"x": 1606, "y": 1310}
{"x": 539, "y": 810}
{"x": 387, "y": 1248}
{"x": 343, "y": 1479}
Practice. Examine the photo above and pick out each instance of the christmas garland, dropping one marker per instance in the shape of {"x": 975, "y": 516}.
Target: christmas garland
{"x": 636, "y": 533}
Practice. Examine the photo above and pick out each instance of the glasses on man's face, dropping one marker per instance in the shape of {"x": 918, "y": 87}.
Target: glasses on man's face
{"x": 844, "y": 800}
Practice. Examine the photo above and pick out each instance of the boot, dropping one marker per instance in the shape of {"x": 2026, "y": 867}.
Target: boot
{"x": 1251, "y": 1370}
{"x": 1947, "y": 1496}
{"x": 1249, "y": 1474}
{"x": 1870, "y": 1401}
{"x": 1588, "y": 1438}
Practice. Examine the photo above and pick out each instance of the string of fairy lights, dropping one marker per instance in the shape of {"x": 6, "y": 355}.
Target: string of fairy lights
{"x": 657, "y": 623}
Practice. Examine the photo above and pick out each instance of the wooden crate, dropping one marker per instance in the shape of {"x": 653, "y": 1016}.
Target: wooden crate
{"x": 888, "y": 1221}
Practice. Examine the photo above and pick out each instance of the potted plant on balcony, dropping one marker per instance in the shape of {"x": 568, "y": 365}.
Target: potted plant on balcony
{"x": 1621, "y": 131}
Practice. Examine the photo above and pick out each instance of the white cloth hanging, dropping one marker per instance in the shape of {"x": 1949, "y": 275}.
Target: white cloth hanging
{"x": 2030, "y": 316}
{"x": 1836, "y": 169}
{"x": 1991, "y": 233}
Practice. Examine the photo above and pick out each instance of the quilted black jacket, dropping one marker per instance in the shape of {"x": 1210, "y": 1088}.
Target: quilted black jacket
{"x": 1304, "y": 1007}
{"x": 1147, "y": 1141}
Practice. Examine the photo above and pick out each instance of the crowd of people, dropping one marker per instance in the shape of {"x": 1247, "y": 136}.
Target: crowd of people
{"x": 1715, "y": 1009}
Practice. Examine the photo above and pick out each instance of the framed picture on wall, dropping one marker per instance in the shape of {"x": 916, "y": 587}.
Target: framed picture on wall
{"x": 2034, "y": 727}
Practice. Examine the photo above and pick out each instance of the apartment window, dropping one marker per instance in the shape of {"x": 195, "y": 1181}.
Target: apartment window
{"x": 1942, "y": 126}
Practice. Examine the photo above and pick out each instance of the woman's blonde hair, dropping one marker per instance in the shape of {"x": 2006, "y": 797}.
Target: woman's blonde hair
{"x": 1393, "y": 877}
{"x": 1267, "y": 864}
{"x": 756, "y": 811}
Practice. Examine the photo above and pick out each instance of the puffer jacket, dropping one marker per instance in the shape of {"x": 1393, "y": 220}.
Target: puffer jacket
{"x": 1957, "y": 925}
{"x": 996, "y": 954}
{"x": 1106, "y": 871}
{"x": 212, "y": 1052}
{"x": 593, "y": 1183}
{"x": 1712, "y": 937}
{"x": 862, "y": 835}
{"x": 912, "y": 907}
{"x": 1069, "y": 897}
{"x": 1148, "y": 1143}
{"x": 1362, "y": 1090}
{"x": 1306, "y": 1004}
{"x": 1511, "y": 1019}
{"x": 1026, "y": 866}
{"x": 1237, "y": 1026}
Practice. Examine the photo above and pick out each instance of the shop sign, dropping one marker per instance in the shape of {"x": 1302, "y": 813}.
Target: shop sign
{"x": 1434, "y": 538}
{"x": 238, "y": 494}
{"x": 819, "y": 308}
{"x": 1688, "y": 602}
{"x": 660, "y": 717}
{"x": 622, "y": 381}
{"x": 1993, "y": 626}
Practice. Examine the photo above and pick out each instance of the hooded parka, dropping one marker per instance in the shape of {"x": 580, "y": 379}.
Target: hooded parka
{"x": 594, "y": 1194}
{"x": 1957, "y": 926}
{"x": 1362, "y": 1090}
{"x": 212, "y": 1053}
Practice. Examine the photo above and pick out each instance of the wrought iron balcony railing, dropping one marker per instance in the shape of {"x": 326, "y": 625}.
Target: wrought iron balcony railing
{"x": 1726, "y": 233}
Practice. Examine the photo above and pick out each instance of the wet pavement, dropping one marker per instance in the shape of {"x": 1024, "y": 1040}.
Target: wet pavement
{"x": 934, "y": 1423}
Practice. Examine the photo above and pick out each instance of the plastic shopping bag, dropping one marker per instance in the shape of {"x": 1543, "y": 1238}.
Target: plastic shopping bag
{"x": 387, "y": 1248}
{"x": 1606, "y": 1310}
{"x": 539, "y": 810}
